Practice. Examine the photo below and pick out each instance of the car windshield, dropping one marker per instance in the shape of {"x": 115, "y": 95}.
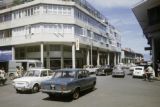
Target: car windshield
{"x": 117, "y": 68}
{"x": 64, "y": 74}
{"x": 32, "y": 73}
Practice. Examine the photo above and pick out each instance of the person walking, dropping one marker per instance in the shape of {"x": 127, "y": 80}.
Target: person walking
{"x": 158, "y": 68}
{"x": 148, "y": 73}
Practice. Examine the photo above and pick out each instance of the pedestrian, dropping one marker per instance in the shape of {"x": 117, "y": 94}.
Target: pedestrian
{"x": 149, "y": 71}
{"x": 2, "y": 76}
{"x": 18, "y": 71}
{"x": 158, "y": 68}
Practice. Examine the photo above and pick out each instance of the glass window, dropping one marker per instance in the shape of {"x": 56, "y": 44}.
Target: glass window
{"x": 43, "y": 73}
{"x": 64, "y": 74}
{"x": 50, "y": 73}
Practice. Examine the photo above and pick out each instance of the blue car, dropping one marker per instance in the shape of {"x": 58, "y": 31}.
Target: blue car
{"x": 68, "y": 81}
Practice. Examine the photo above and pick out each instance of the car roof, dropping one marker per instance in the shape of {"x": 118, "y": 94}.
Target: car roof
{"x": 139, "y": 67}
{"x": 69, "y": 69}
{"x": 38, "y": 69}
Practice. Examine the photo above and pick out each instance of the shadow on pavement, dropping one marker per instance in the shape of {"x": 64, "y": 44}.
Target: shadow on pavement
{"x": 67, "y": 98}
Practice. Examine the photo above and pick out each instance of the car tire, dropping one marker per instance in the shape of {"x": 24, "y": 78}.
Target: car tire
{"x": 18, "y": 91}
{"x": 51, "y": 96}
{"x": 35, "y": 88}
{"x": 76, "y": 94}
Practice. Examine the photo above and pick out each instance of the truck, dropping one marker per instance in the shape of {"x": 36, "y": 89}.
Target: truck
{"x": 25, "y": 64}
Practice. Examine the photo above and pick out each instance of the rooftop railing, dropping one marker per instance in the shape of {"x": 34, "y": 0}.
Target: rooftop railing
{"x": 5, "y": 5}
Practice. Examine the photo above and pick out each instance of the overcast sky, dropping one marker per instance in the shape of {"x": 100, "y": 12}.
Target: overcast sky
{"x": 120, "y": 14}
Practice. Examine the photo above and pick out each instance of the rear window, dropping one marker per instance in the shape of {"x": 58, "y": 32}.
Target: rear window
{"x": 138, "y": 68}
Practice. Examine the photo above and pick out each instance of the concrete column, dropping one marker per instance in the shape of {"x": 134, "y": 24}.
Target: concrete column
{"x": 115, "y": 59}
{"x": 118, "y": 58}
{"x": 98, "y": 59}
{"x": 88, "y": 56}
{"x": 48, "y": 56}
{"x": 154, "y": 56}
{"x": 42, "y": 53}
{"x": 108, "y": 59}
{"x": 13, "y": 53}
{"x": 105, "y": 60}
{"x": 73, "y": 56}
{"x": 62, "y": 57}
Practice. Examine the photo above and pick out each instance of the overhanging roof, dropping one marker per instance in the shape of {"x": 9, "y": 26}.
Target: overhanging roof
{"x": 140, "y": 12}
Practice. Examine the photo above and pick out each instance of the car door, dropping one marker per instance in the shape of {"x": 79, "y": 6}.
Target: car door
{"x": 81, "y": 80}
{"x": 87, "y": 79}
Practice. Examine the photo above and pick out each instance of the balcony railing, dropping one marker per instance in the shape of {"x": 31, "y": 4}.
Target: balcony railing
{"x": 14, "y": 3}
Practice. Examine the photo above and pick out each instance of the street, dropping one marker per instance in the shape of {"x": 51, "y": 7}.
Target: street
{"x": 109, "y": 92}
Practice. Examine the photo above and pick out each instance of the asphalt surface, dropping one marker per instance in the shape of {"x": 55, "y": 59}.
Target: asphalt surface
{"x": 109, "y": 92}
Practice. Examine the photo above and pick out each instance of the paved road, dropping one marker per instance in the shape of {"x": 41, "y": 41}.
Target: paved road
{"x": 110, "y": 92}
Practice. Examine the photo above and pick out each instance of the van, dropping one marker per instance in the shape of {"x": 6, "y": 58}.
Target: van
{"x": 26, "y": 64}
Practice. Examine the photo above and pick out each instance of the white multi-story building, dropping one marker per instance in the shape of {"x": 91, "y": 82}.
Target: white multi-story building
{"x": 60, "y": 33}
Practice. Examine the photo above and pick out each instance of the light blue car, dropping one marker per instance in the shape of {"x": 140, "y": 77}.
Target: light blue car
{"x": 68, "y": 81}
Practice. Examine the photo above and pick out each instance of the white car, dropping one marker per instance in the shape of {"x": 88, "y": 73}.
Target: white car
{"x": 91, "y": 69}
{"x": 138, "y": 71}
{"x": 32, "y": 79}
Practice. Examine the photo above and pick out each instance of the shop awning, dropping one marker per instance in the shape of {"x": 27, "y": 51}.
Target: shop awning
{"x": 5, "y": 56}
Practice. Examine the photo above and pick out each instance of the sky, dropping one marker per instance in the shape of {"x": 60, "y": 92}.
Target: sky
{"x": 119, "y": 13}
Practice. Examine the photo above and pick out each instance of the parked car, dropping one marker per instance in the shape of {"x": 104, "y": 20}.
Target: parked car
{"x": 101, "y": 71}
{"x": 32, "y": 79}
{"x": 131, "y": 69}
{"x": 118, "y": 71}
{"x": 91, "y": 69}
{"x": 138, "y": 71}
{"x": 68, "y": 81}
{"x": 104, "y": 70}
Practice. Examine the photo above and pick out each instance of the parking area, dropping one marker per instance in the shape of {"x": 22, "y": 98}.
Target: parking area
{"x": 111, "y": 92}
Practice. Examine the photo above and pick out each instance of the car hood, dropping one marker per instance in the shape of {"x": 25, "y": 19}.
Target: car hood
{"x": 28, "y": 79}
{"x": 58, "y": 81}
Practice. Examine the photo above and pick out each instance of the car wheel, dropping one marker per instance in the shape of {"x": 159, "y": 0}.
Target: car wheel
{"x": 76, "y": 94}
{"x": 51, "y": 95}
{"x": 35, "y": 88}
{"x": 18, "y": 91}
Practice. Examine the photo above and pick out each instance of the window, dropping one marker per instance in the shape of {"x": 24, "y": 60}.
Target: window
{"x": 154, "y": 15}
{"x": 83, "y": 74}
{"x": 50, "y": 73}
{"x": 43, "y": 73}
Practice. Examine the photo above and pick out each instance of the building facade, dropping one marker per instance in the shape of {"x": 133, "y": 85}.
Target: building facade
{"x": 60, "y": 33}
{"x": 128, "y": 56}
{"x": 148, "y": 15}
